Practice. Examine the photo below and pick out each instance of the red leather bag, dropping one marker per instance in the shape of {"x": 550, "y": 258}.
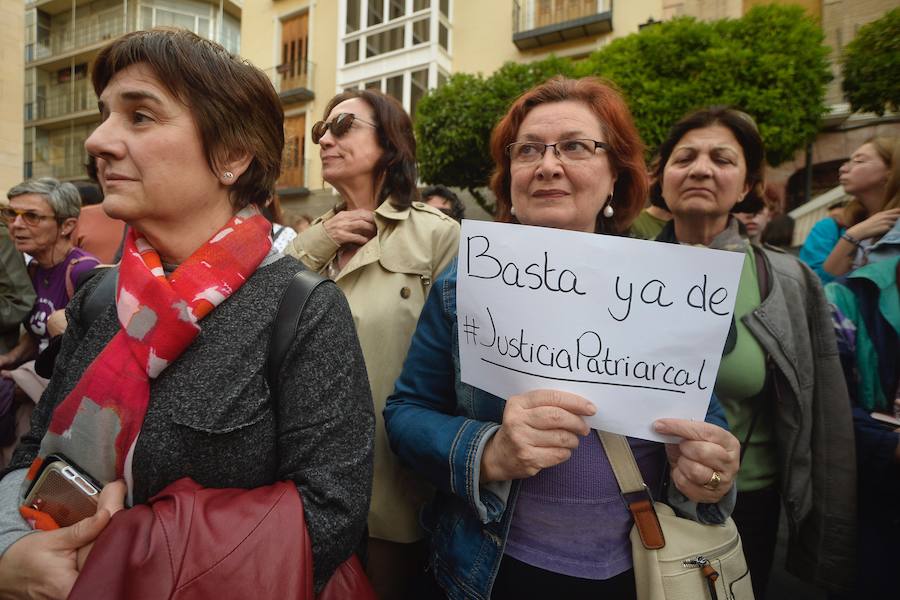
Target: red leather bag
{"x": 349, "y": 582}
{"x": 192, "y": 543}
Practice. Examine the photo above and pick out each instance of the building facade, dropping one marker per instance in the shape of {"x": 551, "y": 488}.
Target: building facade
{"x": 12, "y": 48}
{"x": 313, "y": 49}
{"x": 61, "y": 40}
{"x": 842, "y": 131}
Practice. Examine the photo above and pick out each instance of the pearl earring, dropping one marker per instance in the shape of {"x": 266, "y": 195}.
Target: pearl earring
{"x": 228, "y": 175}
{"x": 512, "y": 210}
{"x": 608, "y": 210}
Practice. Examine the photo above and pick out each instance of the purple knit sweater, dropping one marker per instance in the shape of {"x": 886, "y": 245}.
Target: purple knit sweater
{"x": 571, "y": 519}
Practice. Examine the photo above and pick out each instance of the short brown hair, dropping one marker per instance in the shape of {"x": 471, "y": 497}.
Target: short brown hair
{"x": 395, "y": 172}
{"x": 232, "y": 102}
{"x": 744, "y": 129}
{"x": 625, "y": 146}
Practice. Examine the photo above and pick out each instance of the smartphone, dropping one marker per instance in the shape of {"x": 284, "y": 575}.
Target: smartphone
{"x": 63, "y": 491}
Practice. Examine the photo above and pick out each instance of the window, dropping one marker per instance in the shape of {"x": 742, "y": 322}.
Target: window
{"x": 173, "y": 19}
{"x": 395, "y": 87}
{"x": 377, "y": 27}
{"x": 398, "y": 7}
{"x": 443, "y": 37}
{"x": 386, "y": 41}
{"x": 199, "y": 18}
{"x": 352, "y": 15}
{"x": 376, "y": 12}
{"x": 417, "y": 89}
{"x": 351, "y": 51}
{"x": 400, "y": 47}
{"x": 420, "y": 31}
{"x": 411, "y": 84}
{"x": 231, "y": 34}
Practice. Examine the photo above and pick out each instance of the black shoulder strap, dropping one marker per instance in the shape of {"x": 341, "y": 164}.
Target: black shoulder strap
{"x": 101, "y": 296}
{"x": 287, "y": 319}
{"x": 275, "y": 236}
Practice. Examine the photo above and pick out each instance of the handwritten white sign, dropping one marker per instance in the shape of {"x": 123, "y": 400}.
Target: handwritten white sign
{"x": 635, "y": 327}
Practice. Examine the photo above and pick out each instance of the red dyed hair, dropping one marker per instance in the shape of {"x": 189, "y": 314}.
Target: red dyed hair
{"x": 626, "y": 152}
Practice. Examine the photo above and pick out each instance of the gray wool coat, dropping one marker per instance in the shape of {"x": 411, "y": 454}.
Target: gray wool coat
{"x": 212, "y": 418}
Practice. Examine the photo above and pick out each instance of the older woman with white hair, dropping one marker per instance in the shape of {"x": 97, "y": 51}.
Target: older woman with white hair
{"x": 42, "y": 215}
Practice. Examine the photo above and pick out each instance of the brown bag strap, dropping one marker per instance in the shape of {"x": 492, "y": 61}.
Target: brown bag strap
{"x": 634, "y": 491}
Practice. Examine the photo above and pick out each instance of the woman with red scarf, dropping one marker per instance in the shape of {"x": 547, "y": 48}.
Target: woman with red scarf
{"x": 164, "y": 397}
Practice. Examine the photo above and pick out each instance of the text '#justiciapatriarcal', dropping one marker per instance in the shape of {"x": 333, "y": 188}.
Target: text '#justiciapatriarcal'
{"x": 580, "y": 361}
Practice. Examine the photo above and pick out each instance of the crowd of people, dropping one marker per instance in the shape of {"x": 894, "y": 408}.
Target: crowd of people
{"x": 241, "y": 439}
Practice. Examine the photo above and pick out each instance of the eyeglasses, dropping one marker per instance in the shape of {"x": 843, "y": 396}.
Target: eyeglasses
{"x": 339, "y": 126}
{"x": 29, "y": 216}
{"x": 565, "y": 150}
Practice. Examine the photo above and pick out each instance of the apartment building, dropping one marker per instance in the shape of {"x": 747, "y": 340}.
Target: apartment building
{"x": 12, "y": 47}
{"x": 62, "y": 38}
{"x": 313, "y": 49}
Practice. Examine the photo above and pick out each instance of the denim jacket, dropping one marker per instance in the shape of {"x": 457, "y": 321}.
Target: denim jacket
{"x": 439, "y": 427}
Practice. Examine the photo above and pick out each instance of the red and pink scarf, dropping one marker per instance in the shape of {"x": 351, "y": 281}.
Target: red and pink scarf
{"x": 98, "y": 423}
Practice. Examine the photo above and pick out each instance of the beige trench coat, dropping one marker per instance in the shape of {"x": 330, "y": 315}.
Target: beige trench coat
{"x": 386, "y": 283}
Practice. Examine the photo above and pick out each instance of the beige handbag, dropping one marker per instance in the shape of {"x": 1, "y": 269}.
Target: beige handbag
{"x": 676, "y": 558}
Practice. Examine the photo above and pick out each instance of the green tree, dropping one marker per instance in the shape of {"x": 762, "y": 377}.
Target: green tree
{"x": 454, "y": 122}
{"x": 871, "y": 66}
{"x": 771, "y": 63}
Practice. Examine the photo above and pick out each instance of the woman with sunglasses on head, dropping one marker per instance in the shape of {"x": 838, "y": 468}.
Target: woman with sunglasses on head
{"x": 527, "y": 505}
{"x": 232, "y": 440}
{"x": 383, "y": 248}
{"x": 42, "y": 215}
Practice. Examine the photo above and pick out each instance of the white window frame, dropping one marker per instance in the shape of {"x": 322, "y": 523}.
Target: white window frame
{"x": 428, "y": 55}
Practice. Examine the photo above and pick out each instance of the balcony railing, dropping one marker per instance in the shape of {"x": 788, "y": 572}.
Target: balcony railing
{"x": 84, "y": 32}
{"x": 539, "y": 23}
{"x": 293, "y": 81}
{"x": 64, "y": 99}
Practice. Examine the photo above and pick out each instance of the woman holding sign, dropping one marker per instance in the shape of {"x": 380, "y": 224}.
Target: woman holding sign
{"x": 780, "y": 379}
{"x": 527, "y": 505}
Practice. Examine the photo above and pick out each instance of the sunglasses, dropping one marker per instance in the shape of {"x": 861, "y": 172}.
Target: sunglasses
{"x": 339, "y": 126}
{"x": 29, "y": 216}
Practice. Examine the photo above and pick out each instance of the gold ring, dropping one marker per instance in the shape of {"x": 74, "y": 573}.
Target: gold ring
{"x": 714, "y": 481}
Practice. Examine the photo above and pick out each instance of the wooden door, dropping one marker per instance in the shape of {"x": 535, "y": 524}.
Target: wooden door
{"x": 292, "y": 162}
{"x": 294, "y": 66}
